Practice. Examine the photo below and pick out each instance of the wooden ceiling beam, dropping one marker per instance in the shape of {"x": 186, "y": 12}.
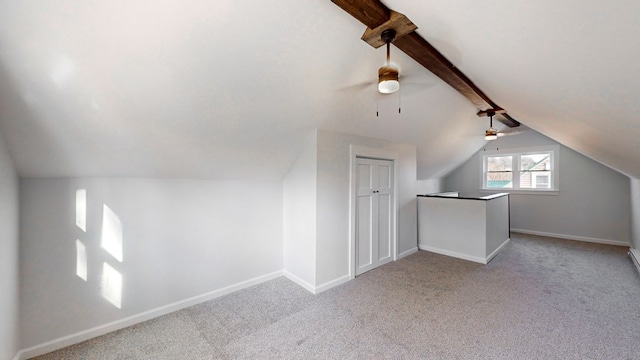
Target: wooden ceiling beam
{"x": 491, "y": 112}
{"x": 426, "y": 55}
{"x": 373, "y": 14}
{"x": 507, "y": 120}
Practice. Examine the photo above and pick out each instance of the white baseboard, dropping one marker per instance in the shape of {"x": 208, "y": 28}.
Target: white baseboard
{"x": 453, "y": 254}
{"x": 573, "y": 237}
{"x": 68, "y": 340}
{"x": 316, "y": 289}
{"x": 493, "y": 254}
{"x": 635, "y": 257}
{"x": 299, "y": 281}
{"x": 407, "y": 253}
{"x": 333, "y": 283}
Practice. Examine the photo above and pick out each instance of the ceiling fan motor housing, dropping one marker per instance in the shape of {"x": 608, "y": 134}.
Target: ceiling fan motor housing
{"x": 387, "y": 72}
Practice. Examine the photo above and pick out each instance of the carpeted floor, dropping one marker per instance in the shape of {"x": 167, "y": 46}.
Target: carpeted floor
{"x": 540, "y": 298}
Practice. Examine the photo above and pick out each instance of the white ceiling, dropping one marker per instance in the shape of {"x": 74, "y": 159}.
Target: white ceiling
{"x": 229, "y": 89}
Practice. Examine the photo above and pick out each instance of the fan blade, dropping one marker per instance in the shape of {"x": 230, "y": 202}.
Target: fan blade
{"x": 512, "y": 132}
{"x": 413, "y": 87}
{"x": 406, "y": 82}
{"x": 358, "y": 87}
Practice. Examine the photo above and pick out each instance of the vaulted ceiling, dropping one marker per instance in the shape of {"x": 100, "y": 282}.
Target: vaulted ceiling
{"x": 229, "y": 89}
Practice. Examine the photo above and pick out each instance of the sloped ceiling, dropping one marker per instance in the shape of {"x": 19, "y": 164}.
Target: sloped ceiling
{"x": 229, "y": 89}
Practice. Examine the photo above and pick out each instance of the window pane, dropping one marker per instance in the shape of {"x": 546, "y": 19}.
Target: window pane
{"x": 535, "y": 179}
{"x": 542, "y": 181}
{"x": 535, "y": 171}
{"x": 500, "y": 180}
{"x": 499, "y": 172}
{"x": 535, "y": 162}
{"x": 499, "y": 163}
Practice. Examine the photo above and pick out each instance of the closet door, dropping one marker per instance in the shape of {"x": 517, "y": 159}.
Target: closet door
{"x": 374, "y": 213}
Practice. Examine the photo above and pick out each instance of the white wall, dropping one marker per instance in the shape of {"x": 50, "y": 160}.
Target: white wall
{"x": 593, "y": 202}
{"x": 9, "y": 293}
{"x": 333, "y": 200}
{"x": 455, "y": 227}
{"x": 181, "y": 239}
{"x": 429, "y": 186}
{"x": 300, "y": 189}
{"x": 635, "y": 213}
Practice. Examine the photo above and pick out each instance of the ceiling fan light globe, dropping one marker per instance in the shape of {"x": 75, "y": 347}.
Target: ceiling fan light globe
{"x": 388, "y": 86}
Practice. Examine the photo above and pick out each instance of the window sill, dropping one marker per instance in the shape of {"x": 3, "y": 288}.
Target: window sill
{"x": 521, "y": 192}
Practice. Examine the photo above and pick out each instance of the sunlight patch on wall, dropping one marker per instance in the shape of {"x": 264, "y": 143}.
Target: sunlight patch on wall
{"x": 62, "y": 71}
{"x": 81, "y": 260}
{"x": 111, "y": 285}
{"x": 111, "y": 233}
{"x": 81, "y": 209}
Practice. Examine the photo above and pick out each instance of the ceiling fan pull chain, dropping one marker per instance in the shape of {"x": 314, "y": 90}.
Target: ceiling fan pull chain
{"x": 400, "y": 101}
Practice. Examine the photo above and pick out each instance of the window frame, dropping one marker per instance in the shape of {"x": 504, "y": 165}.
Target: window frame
{"x": 516, "y": 153}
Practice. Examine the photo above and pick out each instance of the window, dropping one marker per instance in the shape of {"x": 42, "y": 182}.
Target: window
{"x": 499, "y": 172}
{"x": 520, "y": 170}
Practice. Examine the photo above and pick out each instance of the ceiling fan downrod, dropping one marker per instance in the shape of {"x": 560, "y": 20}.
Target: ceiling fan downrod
{"x": 388, "y": 36}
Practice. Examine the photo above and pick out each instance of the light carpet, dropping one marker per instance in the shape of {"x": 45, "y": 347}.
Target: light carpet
{"x": 540, "y": 298}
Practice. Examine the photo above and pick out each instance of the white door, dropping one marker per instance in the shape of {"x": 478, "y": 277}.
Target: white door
{"x": 374, "y": 213}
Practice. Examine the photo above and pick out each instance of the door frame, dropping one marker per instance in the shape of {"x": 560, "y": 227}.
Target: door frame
{"x": 357, "y": 151}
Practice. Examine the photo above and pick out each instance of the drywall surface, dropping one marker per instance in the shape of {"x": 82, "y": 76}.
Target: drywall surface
{"x": 334, "y": 205}
{"x": 497, "y": 211}
{"x": 455, "y": 226}
{"x": 9, "y": 270}
{"x": 593, "y": 201}
{"x": 299, "y": 214}
{"x": 429, "y": 186}
{"x": 128, "y": 246}
{"x": 635, "y": 213}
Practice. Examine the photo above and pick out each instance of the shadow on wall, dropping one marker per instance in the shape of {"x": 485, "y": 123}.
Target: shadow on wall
{"x": 111, "y": 242}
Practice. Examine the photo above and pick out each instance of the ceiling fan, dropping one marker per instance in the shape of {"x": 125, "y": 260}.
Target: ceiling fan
{"x": 389, "y": 77}
{"x": 398, "y": 25}
{"x": 378, "y": 18}
{"x": 388, "y": 74}
{"x": 492, "y": 133}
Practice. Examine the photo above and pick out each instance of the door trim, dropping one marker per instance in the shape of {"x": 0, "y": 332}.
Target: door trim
{"x": 357, "y": 151}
